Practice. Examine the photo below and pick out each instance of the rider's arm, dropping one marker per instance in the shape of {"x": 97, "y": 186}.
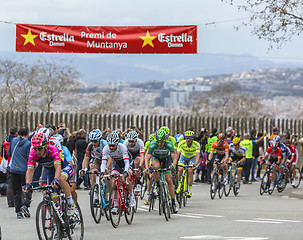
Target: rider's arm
{"x": 29, "y": 175}
{"x": 87, "y": 157}
{"x": 174, "y": 158}
{"x": 147, "y": 160}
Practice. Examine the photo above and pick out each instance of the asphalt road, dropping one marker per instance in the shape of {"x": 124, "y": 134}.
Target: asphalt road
{"x": 248, "y": 216}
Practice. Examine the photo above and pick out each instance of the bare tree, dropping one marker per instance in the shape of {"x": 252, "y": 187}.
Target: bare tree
{"x": 276, "y": 21}
{"x": 55, "y": 79}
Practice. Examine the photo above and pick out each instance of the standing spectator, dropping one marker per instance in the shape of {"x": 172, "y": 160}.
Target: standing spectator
{"x": 3, "y": 176}
{"x": 231, "y": 131}
{"x": 255, "y": 154}
{"x": 81, "y": 145}
{"x": 4, "y": 153}
{"x": 261, "y": 156}
{"x": 229, "y": 138}
{"x": 19, "y": 151}
{"x": 71, "y": 142}
{"x": 249, "y": 154}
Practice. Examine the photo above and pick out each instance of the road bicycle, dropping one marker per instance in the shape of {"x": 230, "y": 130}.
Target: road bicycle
{"x": 54, "y": 223}
{"x": 164, "y": 198}
{"x": 99, "y": 198}
{"x": 144, "y": 184}
{"x": 232, "y": 174}
{"x": 290, "y": 178}
{"x": 267, "y": 180}
{"x": 119, "y": 202}
{"x": 217, "y": 182}
{"x": 183, "y": 194}
{"x": 133, "y": 179}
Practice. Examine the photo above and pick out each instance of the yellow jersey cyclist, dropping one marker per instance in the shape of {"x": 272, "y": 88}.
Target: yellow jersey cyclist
{"x": 188, "y": 152}
{"x": 162, "y": 154}
{"x": 169, "y": 138}
{"x": 150, "y": 139}
{"x": 238, "y": 155}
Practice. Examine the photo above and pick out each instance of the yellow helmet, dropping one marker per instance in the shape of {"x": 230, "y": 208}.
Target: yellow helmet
{"x": 236, "y": 140}
{"x": 189, "y": 135}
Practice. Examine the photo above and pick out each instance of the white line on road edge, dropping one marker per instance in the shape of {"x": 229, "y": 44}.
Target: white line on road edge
{"x": 205, "y": 215}
{"x": 280, "y": 220}
{"x": 142, "y": 209}
{"x": 212, "y": 237}
{"x": 255, "y": 221}
{"x": 189, "y": 216}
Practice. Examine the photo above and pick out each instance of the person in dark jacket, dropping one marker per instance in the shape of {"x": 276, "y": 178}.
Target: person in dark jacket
{"x": 253, "y": 136}
{"x": 19, "y": 151}
{"x": 3, "y": 183}
{"x": 4, "y": 153}
{"x": 80, "y": 146}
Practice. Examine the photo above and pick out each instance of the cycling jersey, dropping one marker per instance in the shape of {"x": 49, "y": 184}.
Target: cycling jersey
{"x": 237, "y": 154}
{"x": 173, "y": 141}
{"x": 221, "y": 150}
{"x": 95, "y": 152}
{"x": 285, "y": 150}
{"x": 54, "y": 142}
{"x": 276, "y": 154}
{"x": 161, "y": 153}
{"x": 120, "y": 157}
{"x": 293, "y": 153}
{"x": 136, "y": 150}
{"x": 52, "y": 158}
{"x": 146, "y": 146}
{"x": 186, "y": 151}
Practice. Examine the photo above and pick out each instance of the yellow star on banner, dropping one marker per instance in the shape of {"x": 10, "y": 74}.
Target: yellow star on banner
{"x": 148, "y": 39}
{"x": 29, "y": 38}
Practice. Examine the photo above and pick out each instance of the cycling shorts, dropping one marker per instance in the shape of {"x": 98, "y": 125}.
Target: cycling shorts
{"x": 218, "y": 158}
{"x": 186, "y": 161}
{"x": 164, "y": 163}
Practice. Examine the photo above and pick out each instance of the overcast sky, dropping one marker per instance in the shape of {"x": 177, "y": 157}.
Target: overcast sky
{"x": 220, "y": 38}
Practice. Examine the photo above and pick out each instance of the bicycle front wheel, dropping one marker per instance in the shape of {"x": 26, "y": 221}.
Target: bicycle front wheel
{"x": 228, "y": 186}
{"x": 129, "y": 213}
{"x": 164, "y": 201}
{"x": 297, "y": 177}
{"x": 264, "y": 183}
{"x": 220, "y": 187}
{"x": 115, "y": 206}
{"x": 76, "y": 224}
{"x": 95, "y": 203}
{"x": 46, "y": 223}
{"x": 213, "y": 185}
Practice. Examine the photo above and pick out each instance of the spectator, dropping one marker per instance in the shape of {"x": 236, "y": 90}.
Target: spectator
{"x": 62, "y": 129}
{"x": 71, "y": 142}
{"x": 13, "y": 132}
{"x": 133, "y": 127}
{"x": 105, "y": 133}
{"x": 255, "y": 154}
{"x": 197, "y": 137}
{"x": 81, "y": 145}
{"x": 228, "y": 138}
{"x": 246, "y": 142}
{"x": 19, "y": 151}
{"x": 261, "y": 156}
{"x": 204, "y": 141}
{"x": 3, "y": 177}
{"x": 231, "y": 131}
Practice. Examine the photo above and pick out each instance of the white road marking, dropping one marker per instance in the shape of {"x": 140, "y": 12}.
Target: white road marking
{"x": 142, "y": 209}
{"x": 205, "y": 215}
{"x": 280, "y": 220}
{"x": 189, "y": 216}
{"x": 213, "y": 237}
{"x": 256, "y": 221}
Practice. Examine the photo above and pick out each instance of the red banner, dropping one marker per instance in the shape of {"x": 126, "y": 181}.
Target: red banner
{"x": 81, "y": 39}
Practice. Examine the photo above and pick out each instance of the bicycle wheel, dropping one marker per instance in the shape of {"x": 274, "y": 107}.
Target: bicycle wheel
{"x": 45, "y": 221}
{"x": 220, "y": 187}
{"x": 214, "y": 185}
{"x": 234, "y": 183}
{"x": 105, "y": 204}
{"x": 282, "y": 183}
{"x": 227, "y": 188}
{"x": 143, "y": 189}
{"x": 95, "y": 203}
{"x": 185, "y": 192}
{"x": 180, "y": 194}
{"x": 164, "y": 201}
{"x": 129, "y": 213}
{"x": 264, "y": 183}
{"x": 76, "y": 224}
{"x": 115, "y": 207}
{"x": 297, "y": 177}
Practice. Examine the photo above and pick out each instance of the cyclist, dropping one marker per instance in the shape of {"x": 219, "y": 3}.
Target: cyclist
{"x": 169, "y": 138}
{"x": 150, "y": 139}
{"x": 59, "y": 171}
{"x": 119, "y": 158}
{"x": 221, "y": 156}
{"x": 238, "y": 155}
{"x": 162, "y": 155}
{"x": 179, "y": 138}
{"x": 118, "y": 131}
{"x": 274, "y": 155}
{"x": 292, "y": 159}
{"x": 135, "y": 147}
{"x": 188, "y": 153}
{"x": 93, "y": 154}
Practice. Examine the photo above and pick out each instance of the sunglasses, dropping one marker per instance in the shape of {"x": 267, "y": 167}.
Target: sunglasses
{"x": 94, "y": 140}
{"x": 39, "y": 148}
{"x": 111, "y": 145}
{"x": 131, "y": 141}
{"x": 160, "y": 141}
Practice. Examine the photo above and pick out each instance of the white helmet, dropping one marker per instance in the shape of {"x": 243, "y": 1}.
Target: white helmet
{"x": 45, "y": 131}
{"x": 132, "y": 136}
{"x": 112, "y": 138}
{"x": 59, "y": 138}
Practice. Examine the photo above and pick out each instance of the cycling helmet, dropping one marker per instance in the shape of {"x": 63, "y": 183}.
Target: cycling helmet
{"x": 151, "y": 137}
{"x": 95, "y": 135}
{"x": 236, "y": 140}
{"x": 45, "y": 131}
{"x": 59, "y": 138}
{"x": 274, "y": 144}
{"x": 277, "y": 139}
{"x": 179, "y": 137}
{"x": 132, "y": 136}
{"x": 39, "y": 140}
{"x": 221, "y": 136}
{"x": 113, "y": 138}
{"x": 166, "y": 130}
{"x": 161, "y": 136}
{"x": 189, "y": 135}
{"x": 287, "y": 142}
{"x": 117, "y": 131}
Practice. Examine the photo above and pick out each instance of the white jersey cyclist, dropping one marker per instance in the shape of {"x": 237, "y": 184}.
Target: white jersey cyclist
{"x": 135, "y": 150}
